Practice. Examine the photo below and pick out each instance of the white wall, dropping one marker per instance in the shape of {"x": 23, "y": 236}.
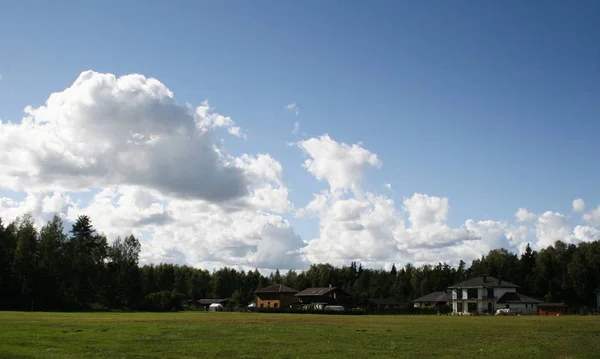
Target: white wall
{"x": 499, "y": 292}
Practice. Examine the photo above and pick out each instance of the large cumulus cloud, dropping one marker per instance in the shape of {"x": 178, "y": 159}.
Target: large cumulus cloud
{"x": 105, "y": 130}
{"x": 152, "y": 167}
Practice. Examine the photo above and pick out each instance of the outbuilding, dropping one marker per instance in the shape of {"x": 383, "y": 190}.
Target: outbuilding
{"x": 518, "y": 303}
{"x": 552, "y": 308}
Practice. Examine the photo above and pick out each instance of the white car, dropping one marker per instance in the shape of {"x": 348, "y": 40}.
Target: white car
{"x": 337, "y": 308}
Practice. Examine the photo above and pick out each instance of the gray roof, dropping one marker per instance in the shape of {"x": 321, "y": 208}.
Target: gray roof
{"x": 484, "y": 282}
{"x": 513, "y": 297}
{"x": 276, "y": 288}
{"x": 317, "y": 291}
{"x": 435, "y": 297}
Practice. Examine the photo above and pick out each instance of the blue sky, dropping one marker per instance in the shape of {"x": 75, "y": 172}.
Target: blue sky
{"x": 494, "y": 106}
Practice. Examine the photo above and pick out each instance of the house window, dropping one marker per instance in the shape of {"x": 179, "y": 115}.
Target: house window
{"x": 507, "y": 305}
{"x": 472, "y": 293}
{"x": 268, "y": 304}
{"x": 490, "y": 293}
{"x": 262, "y": 305}
{"x": 459, "y": 307}
{"x": 472, "y": 307}
{"x": 274, "y": 305}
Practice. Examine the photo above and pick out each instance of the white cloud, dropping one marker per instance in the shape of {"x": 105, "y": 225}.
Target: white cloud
{"x": 354, "y": 229}
{"x": 585, "y": 234}
{"x": 578, "y": 205}
{"x": 205, "y": 233}
{"x": 265, "y": 176}
{"x": 593, "y": 217}
{"x": 523, "y": 215}
{"x": 296, "y": 127}
{"x": 359, "y": 225}
{"x": 194, "y": 232}
{"x": 340, "y": 164}
{"x": 105, "y": 131}
{"x": 552, "y": 227}
{"x": 157, "y": 171}
{"x": 293, "y": 107}
{"x": 425, "y": 210}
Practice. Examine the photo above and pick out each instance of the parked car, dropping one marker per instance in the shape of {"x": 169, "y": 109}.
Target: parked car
{"x": 337, "y": 308}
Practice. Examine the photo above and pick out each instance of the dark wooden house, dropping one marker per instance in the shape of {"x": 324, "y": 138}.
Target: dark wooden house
{"x": 275, "y": 296}
{"x": 318, "y": 298}
{"x": 435, "y": 299}
{"x": 552, "y": 308}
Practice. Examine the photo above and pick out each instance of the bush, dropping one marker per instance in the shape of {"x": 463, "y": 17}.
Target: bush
{"x": 163, "y": 301}
{"x": 97, "y": 307}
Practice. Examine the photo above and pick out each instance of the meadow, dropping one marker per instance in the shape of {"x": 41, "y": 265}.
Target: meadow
{"x": 260, "y": 335}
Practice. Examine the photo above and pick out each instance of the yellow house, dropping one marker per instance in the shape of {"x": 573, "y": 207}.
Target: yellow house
{"x": 275, "y": 296}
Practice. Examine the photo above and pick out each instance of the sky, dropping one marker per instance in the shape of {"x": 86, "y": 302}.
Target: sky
{"x": 280, "y": 134}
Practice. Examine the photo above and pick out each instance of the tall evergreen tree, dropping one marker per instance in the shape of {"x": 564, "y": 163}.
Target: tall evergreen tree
{"x": 25, "y": 260}
{"x": 51, "y": 263}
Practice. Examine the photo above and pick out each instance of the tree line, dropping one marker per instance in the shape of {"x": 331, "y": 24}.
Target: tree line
{"x": 55, "y": 269}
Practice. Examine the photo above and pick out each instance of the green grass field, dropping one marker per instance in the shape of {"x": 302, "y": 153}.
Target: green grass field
{"x": 255, "y": 335}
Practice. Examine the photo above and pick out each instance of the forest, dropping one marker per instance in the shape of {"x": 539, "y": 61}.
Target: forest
{"x": 53, "y": 268}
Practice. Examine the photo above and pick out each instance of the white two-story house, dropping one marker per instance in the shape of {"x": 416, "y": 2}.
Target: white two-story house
{"x": 488, "y": 294}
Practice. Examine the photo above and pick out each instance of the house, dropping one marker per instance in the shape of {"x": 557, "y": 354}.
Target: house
{"x": 318, "y": 298}
{"x": 206, "y": 303}
{"x": 598, "y": 298}
{"x": 552, "y": 308}
{"x": 373, "y": 303}
{"x": 275, "y": 296}
{"x": 481, "y": 295}
{"x": 518, "y": 303}
{"x": 435, "y": 299}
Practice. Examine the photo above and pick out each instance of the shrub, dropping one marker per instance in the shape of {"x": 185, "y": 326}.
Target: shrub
{"x": 163, "y": 301}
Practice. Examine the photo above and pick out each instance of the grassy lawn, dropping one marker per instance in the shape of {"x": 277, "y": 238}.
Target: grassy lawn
{"x": 254, "y": 335}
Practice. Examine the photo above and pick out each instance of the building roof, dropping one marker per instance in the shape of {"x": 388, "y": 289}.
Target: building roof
{"x": 276, "y": 288}
{"x": 513, "y": 297}
{"x": 317, "y": 291}
{"x": 435, "y": 297}
{"x": 376, "y": 301}
{"x": 484, "y": 282}
{"x": 211, "y": 301}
